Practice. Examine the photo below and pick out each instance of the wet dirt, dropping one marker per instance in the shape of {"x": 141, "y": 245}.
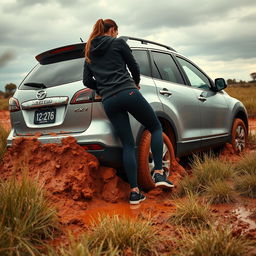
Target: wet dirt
{"x": 81, "y": 189}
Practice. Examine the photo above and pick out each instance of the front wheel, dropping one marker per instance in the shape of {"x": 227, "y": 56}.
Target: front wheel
{"x": 239, "y": 135}
{"x": 146, "y": 161}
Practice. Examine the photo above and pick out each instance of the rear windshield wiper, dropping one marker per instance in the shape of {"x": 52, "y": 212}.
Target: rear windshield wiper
{"x": 37, "y": 85}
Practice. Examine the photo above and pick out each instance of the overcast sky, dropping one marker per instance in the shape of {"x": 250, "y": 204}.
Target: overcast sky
{"x": 218, "y": 35}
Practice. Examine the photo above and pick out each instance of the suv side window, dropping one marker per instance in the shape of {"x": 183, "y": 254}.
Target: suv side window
{"x": 196, "y": 78}
{"x": 165, "y": 68}
{"x": 142, "y": 59}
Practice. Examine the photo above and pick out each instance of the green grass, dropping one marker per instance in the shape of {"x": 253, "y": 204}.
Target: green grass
{"x": 206, "y": 170}
{"x": 219, "y": 192}
{"x": 214, "y": 241}
{"x": 245, "y": 94}
{"x": 246, "y": 185}
{"x": 113, "y": 236}
{"x": 26, "y": 218}
{"x": 3, "y": 137}
{"x": 190, "y": 212}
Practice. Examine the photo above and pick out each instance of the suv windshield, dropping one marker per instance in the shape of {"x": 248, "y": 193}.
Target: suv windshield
{"x": 55, "y": 74}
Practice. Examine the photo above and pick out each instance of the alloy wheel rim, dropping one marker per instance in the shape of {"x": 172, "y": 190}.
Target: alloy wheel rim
{"x": 166, "y": 160}
{"x": 240, "y": 138}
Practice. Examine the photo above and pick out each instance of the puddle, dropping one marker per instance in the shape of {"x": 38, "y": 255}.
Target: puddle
{"x": 146, "y": 209}
{"x": 243, "y": 214}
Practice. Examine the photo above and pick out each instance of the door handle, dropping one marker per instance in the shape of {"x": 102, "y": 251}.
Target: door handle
{"x": 165, "y": 92}
{"x": 203, "y": 99}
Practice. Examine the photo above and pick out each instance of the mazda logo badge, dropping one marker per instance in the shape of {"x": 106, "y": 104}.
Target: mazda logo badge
{"x": 41, "y": 95}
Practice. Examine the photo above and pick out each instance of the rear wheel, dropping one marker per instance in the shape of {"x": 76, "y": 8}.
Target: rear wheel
{"x": 146, "y": 161}
{"x": 239, "y": 135}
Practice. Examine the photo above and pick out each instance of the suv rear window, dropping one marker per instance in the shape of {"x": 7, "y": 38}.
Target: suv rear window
{"x": 165, "y": 68}
{"x": 142, "y": 59}
{"x": 55, "y": 74}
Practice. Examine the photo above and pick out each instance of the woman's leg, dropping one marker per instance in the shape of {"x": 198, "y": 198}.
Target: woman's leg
{"x": 121, "y": 123}
{"x": 141, "y": 110}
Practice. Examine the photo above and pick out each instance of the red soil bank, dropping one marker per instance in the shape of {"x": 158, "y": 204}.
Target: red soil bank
{"x": 72, "y": 177}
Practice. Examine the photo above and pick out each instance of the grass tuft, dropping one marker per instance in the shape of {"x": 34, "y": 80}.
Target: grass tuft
{"x": 214, "y": 241}
{"x": 26, "y": 218}
{"x": 219, "y": 192}
{"x": 246, "y": 185}
{"x": 190, "y": 212}
{"x": 3, "y": 137}
{"x": 113, "y": 236}
{"x": 206, "y": 170}
{"x": 247, "y": 165}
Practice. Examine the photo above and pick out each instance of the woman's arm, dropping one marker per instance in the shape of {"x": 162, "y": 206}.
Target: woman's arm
{"x": 130, "y": 61}
{"x": 88, "y": 79}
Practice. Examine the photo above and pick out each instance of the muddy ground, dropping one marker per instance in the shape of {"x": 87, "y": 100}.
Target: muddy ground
{"x": 81, "y": 189}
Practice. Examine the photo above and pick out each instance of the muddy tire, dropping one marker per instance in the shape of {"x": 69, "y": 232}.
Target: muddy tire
{"x": 146, "y": 162}
{"x": 239, "y": 135}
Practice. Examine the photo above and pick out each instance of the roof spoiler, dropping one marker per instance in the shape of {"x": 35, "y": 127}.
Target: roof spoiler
{"x": 61, "y": 53}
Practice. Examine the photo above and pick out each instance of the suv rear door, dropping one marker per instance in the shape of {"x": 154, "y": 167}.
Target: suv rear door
{"x": 179, "y": 101}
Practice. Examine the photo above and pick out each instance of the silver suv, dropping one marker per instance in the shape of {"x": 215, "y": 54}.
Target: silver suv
{"x": 194, "y": 111}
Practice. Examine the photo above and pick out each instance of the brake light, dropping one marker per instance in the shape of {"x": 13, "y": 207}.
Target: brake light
{"x": 14, "y": 104}
{"x": 82, "y": 96}
{"x": 93, "y": 147}
{"x": 63, "y": 49}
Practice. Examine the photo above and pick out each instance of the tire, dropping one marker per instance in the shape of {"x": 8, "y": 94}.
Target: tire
{"x": 146, "y": 163}
{"x": 239, "y": 135}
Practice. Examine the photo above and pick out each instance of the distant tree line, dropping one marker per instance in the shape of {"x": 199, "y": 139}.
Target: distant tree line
{"x": 9, "y": 90}
{"x": 234, "y": 81}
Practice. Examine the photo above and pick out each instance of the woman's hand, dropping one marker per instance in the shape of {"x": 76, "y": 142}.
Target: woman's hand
{"x": 138, "y": 86}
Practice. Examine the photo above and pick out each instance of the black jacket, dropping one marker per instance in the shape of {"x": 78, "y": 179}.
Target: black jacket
{"x": 107, "y": 72}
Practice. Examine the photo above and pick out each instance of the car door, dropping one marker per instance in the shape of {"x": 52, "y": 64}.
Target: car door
{"x": 213, "y": 107}
{"x": 179, "y": 101}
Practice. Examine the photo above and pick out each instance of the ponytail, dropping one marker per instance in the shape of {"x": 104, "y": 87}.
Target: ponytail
{"x": 100, "y": 27}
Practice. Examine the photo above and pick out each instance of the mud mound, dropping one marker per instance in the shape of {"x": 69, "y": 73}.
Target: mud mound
{"x": 71, "y": 177}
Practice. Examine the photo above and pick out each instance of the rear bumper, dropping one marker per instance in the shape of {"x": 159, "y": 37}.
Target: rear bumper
{"x": 99, "y": 132}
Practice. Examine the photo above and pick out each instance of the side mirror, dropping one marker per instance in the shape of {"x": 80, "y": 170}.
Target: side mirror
{"x": 220, "y": 84}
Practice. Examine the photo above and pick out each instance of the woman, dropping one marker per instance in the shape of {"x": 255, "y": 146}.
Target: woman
{"x": 106, "y": 58}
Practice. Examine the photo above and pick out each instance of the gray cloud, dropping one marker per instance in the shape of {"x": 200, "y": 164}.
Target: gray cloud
{"x": 221, "y": 30}
{"x": 6, "y": 57}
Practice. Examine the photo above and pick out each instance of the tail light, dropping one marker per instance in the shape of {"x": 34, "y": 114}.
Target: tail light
{"x": 82, "y": 96}
{"x": 85, "y": 96}
{"x": 14, "y": 104}
{"x": 93, "y": 147}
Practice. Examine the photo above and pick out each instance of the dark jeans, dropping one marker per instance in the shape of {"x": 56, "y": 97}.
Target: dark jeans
{"x": 117, "y": 108}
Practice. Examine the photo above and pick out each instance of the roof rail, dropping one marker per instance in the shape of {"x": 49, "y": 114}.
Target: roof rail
{"x": 144, "y": 41}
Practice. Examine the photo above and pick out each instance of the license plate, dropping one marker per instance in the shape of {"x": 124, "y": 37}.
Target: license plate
{"x": 45, "y": 116}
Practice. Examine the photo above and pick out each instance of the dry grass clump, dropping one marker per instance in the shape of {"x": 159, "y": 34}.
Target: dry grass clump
{"x": 26, "y": 218}
{"x": 247, "y": 165}
{"x": 213, "y": 241}
{"x": 190, "y": 212}
{"x": 4, "y": 104}
{"x": 219, "y": 192}
{"x": 113, "y": 236}
{"x": 251, "y": 139}
{"x": 246, "y": 185}
{"x": 3, "y": 137}
{"x": 206, "y": 171}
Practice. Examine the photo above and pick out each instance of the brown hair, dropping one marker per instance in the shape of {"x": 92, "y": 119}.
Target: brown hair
{"x": 100, "y": 27}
